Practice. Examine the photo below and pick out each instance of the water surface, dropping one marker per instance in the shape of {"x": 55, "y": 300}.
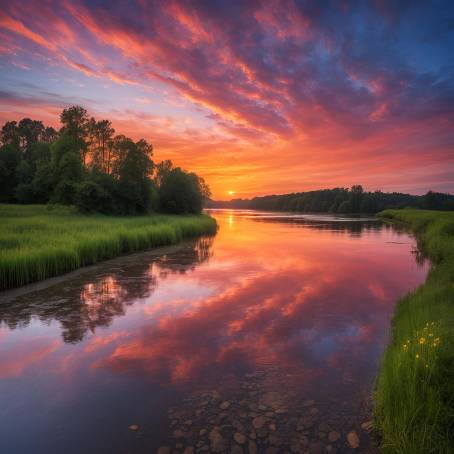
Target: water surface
{"x": 271, "y": 330}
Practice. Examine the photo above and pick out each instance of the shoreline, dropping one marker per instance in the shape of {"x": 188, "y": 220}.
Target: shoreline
{"x": 40, "y": 244}
{"x": 414, "y": 398}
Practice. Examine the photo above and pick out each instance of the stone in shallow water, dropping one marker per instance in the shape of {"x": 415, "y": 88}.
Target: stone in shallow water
{"x": 333, "y": 436}
{"x": 163, "y": 450}
{"x": 353, "y": 439}
{"x": 224, "y": 405}
{"x": 308, "y": 403}
{"x": 177, "y": 433}
{"x": 239, "y": 438}
{"x": 218, "y": 442}
{"x": 258, "y": 422}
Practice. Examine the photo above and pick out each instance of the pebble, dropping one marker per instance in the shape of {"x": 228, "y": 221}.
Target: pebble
{"x": 308, "y": 403}
{"x": 239, "y": 438}
{"x": 177, "y": 433}
{"x": 188, "y": 450}
{"x": 353, "y": 439}
{"x": 134, "y": 427}
{"x": 224, "y": 405}
{"x": 333, "y": 436}
{"x": 258, "y": 422}
{"x": 367, "y": 425}
{"x": 163, "y": 450}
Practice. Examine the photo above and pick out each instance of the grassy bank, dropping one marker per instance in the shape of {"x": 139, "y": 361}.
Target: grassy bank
{"x": 37, "y": 242}
{"x": 415, "y": 388}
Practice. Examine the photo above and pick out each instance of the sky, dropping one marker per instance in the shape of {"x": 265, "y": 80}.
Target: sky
{"x": 257, "y": 97}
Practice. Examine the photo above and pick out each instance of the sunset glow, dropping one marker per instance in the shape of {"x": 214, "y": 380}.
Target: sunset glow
{"x": 262, "y": 97}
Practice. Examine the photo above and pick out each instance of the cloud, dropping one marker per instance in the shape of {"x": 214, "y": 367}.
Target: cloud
{"x": 311, "y": 81}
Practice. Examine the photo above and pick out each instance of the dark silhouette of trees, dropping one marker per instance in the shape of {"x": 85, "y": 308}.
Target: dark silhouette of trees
{"x": 84, "y": 164}
{"x": 341, "y": 200}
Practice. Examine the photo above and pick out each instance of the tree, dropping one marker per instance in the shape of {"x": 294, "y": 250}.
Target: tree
{"x": 132, "y": 168}
{"x": 74, "y": 122}
{"x": 10, "y": 157}
{"x": 162, "y": 169}
{"x": 67, "y": 168}
{"x": 180, "y": 192}
{"x": 10, "y": 134}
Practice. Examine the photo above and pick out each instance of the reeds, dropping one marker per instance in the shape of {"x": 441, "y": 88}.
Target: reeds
{"x": 37, "y": 242}
{"x": 415, "y": 387}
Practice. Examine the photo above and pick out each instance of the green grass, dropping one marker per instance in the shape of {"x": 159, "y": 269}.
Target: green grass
{"x": 415, "y": 386}
{"x": 37, "y": 242}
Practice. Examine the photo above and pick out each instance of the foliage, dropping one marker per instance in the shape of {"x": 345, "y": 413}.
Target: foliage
{"x": 86, "y": 165}
{"x": 38, "y": 242}
{"x": 181, "y": 192}
{"x": 342, "y": 200}
{"x": 415, "y": 387}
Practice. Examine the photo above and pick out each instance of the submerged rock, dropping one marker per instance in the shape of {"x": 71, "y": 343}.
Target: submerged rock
{"x": 258, "y": 422}
{"x": 240, "y": 438}
{"x": 353, "y": 439}
{"x": 333, "y": 436}
{"x": 163, "y": 450}
{"x": 218, "y": 442}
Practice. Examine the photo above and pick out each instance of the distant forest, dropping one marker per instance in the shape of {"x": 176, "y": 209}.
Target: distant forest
{"x": 340, "y": 200}
{"x": 85, "y": 164}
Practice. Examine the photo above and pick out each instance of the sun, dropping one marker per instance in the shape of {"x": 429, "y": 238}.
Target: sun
{"x": 230, "y": 192}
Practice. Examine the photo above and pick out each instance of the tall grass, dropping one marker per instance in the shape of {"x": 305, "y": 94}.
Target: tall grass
{"x": 415, "y": 387}
{"x": 37, "y": 242}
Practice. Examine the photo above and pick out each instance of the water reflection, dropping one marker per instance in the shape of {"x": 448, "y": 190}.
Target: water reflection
{"x": 95, "y": 299}
{"x": 280, "y": 318}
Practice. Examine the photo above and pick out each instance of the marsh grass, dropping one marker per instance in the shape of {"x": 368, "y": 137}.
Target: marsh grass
{"x": 37, "y": 242}
{"x": 415, "y": 387}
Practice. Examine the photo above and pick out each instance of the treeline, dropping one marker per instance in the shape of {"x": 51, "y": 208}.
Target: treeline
{"x": 341, "y": 200}
{"x": 85, "y": 164}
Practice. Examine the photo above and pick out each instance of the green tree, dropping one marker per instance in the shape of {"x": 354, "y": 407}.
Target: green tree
{"x": 74, "y": 122}
{"x": 181, "y": 192}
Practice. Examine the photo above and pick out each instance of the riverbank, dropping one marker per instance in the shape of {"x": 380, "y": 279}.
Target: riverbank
{"x": 415, "y": 387}
{"x": 37, "y": 242}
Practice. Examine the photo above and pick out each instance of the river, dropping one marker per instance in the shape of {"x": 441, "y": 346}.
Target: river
{"x": 264, "y": 338}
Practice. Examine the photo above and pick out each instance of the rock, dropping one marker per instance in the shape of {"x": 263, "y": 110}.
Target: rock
{"x": 281, "y": 411}
{"x": 308, "y": 403}
{"x": 188, "y": 450}
{"x": 224, "y": 405}
{"x": 258, "y": 422}
{"x": 188, "y": 422}
{"x": 163, "y": 450}
{"x": 239, "y": 438}
{"x": 353, "y": 439}
{"x": 314, "y": 411}
{"x": 316, "y": 448}
{"x": 333, "y": 436}
{"x": 272, "y": 427}
{"x": 177, "y": 433}
{"x": 367, "y": 425}
{"x": 296, "y": 448}
{"x": 252, "y": 447}
{"x": 218, "y": 442}
{"x": 203, "y": 432}
{"x": 274, "y": 440}
{"x": 236, "y": 450}
{"x": 271, "y": 450}
{"x": 133, "y": 427}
